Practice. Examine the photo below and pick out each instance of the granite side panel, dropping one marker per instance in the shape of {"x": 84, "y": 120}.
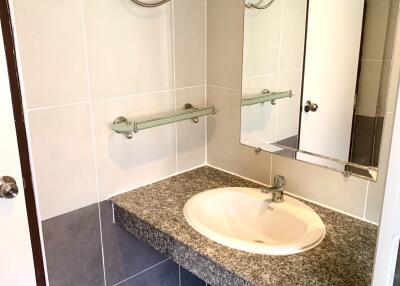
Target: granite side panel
{"x": 124, "y": 255}
{"x": 201, "y": 266}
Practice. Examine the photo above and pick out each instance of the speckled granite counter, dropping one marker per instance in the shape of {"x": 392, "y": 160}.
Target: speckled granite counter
{"x": 154, "y": 214}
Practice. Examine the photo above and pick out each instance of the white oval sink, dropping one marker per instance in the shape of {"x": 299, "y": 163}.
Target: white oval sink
{"x": 246, "y": 219}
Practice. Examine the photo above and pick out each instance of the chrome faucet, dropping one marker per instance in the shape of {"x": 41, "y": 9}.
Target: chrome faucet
{"x": 276, "y": 190}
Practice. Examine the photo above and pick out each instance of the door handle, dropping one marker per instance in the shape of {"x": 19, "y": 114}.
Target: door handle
{"x": 313, "y": 107}
{"x": 8, "y": 187}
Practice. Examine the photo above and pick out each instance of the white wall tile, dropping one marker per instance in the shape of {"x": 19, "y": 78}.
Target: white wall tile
{"x": 150, "y": 155}
{"x": 191, "y": 137}
{"x": 288, "y": 109}
{"x": 258, "y": 122}
{"x": 50, "y": 38}
{"x": 63, "y": 158}
{"x": 129, "y": 48}
{"x": 262, "y": 38}
{"x": 190, "y": 42}
{"x": 293, "y": 34}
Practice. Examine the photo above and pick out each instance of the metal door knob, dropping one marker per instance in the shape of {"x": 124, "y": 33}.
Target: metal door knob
{"x": 8, "y": 187}
{"x": 313, "y": 107}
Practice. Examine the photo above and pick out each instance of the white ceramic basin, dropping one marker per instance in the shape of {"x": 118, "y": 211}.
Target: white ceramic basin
{"x": 246, "y": 219}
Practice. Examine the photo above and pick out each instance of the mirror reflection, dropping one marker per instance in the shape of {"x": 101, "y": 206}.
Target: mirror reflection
{"x": 315, "y": 80}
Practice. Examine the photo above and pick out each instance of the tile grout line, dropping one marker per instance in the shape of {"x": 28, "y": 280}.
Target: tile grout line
{"x": 272, "y": 73}
{"x": 223, "y": 87}
{"x": 276, "y": 109}
{"x": 205, "y": 79}
{"x": 179, "y": 270}
{"x": 59, "y": 105}
{"x": 93, "y": 136}
{"x": 366, "y": 200}
{"x": 174, "y": 81}
{"x": 110, "y": 98}
{"x": 141, "y": 272}
{"x": 146, "y": 93}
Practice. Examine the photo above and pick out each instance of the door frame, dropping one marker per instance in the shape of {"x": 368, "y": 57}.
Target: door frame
{"x": 16, "y": 97}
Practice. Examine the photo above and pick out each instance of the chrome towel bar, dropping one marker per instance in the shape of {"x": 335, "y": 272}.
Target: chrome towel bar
{"x": 265, "y": 96}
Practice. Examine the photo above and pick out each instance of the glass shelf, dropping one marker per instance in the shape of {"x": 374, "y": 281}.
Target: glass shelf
{"x": 265, "y": 96}
{"x": 128, "y": 127}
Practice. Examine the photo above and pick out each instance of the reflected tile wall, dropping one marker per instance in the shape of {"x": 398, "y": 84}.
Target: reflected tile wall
{"x": 224, "y": 150}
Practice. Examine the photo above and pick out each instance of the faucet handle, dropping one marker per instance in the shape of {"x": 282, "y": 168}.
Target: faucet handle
{"x": 279, "y": 181}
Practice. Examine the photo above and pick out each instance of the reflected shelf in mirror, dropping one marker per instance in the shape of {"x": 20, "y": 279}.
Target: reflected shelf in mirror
{"x": 265, "y": 96}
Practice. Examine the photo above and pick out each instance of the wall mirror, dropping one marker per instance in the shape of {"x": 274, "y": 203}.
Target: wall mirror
{"x": 315, "y": 80}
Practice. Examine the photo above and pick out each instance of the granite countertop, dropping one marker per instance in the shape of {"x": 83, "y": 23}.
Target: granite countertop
{"x": 154, "y": 214}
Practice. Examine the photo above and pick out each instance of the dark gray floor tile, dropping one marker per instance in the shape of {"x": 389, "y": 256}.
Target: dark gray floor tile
{"x": 73, "y": 248}
{"x": 291, "y": 142}
{"x": 164, "y": 274}
{"x": 189, "y": 279}
{"x": 124, "y": 255}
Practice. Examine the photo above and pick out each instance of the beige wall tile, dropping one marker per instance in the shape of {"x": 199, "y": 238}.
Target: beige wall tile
{"x": 368, "y": 87}
{"x": 223, "y": 134}
{"x": 129, "y": 48}
{"x": 394, "y": 76}
{"x": 149, "y": 156}
{"x": 50, "y": 40}
{"x": 224, "y": 42}
{"x": 383, "y": 88}
{"x": 321, "y": 185}
{"x": 63, "y": 158}
{"x": 391, "y": 29}
{"x": 375, "y": 29}
{"x": 191, "y": 137}
{"x": 376, "y": 189}
{"x": 190, "y": 42}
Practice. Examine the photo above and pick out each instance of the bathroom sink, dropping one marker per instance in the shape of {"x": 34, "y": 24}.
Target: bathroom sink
{"x": 247, "y": 219}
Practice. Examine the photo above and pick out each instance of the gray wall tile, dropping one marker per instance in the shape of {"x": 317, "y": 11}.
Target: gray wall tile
{"x": 164, "y": 274}
{"x": 189, "y": 279}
